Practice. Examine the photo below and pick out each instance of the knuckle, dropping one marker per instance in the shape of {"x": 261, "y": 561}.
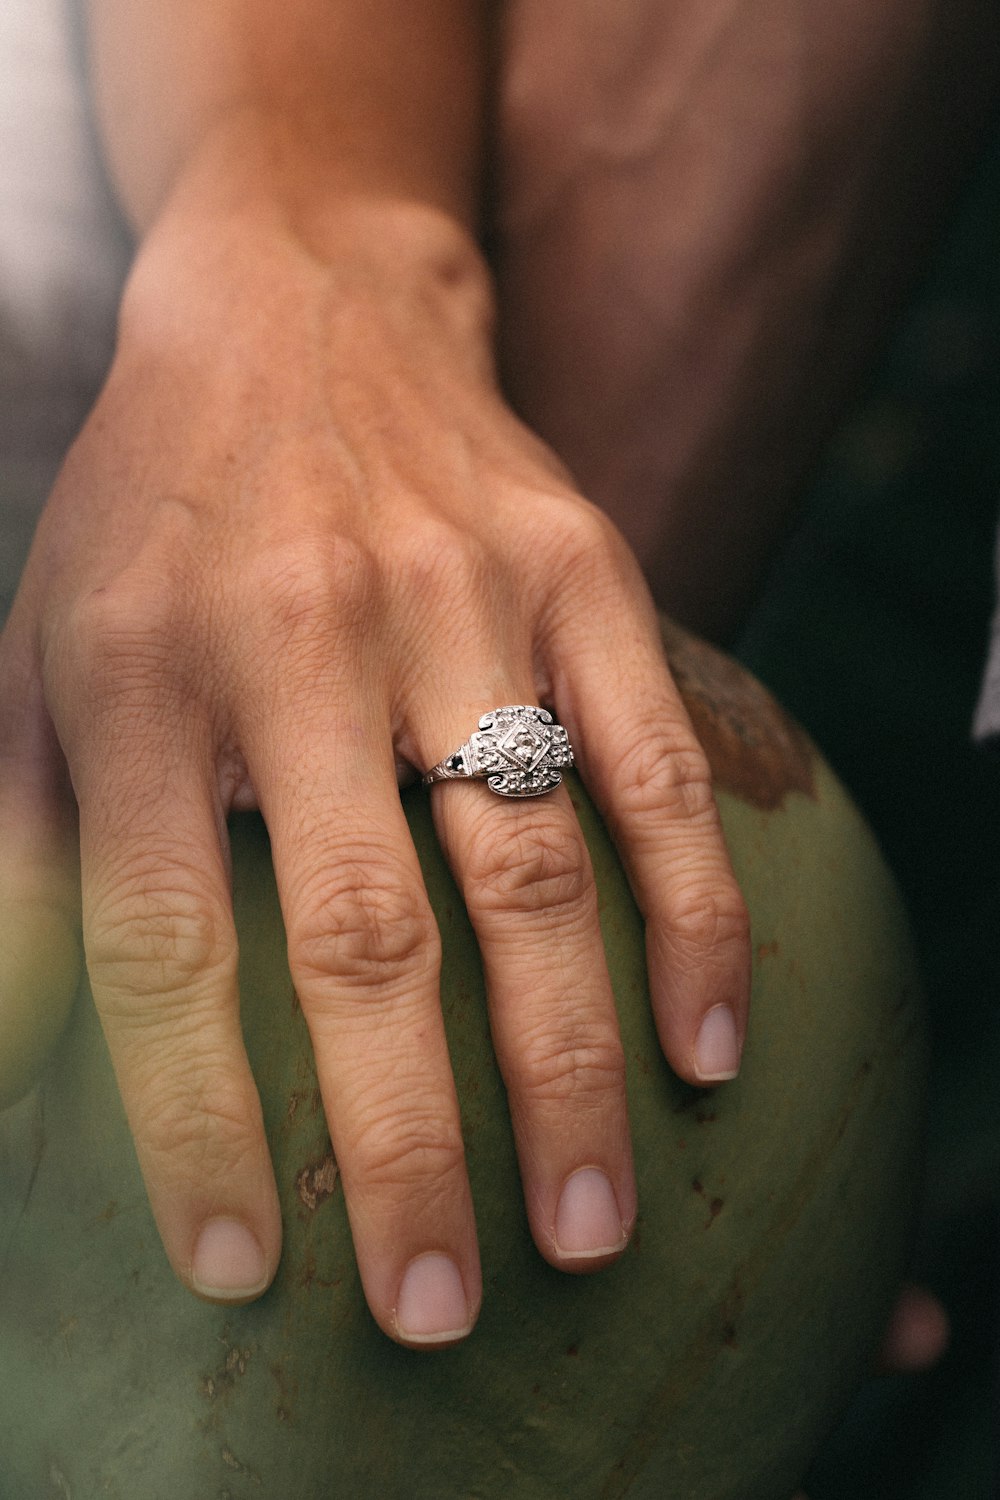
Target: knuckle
{"x": 146, "y": 936}
{"x": 400, "y": 1149}
{"x": 440, "y": 560}
{"x": 566, "y": 1063}
{"x": 653, "y": 776}
{"x": 312, "y": 584}
{"x": 590, "y": 548}
{"x": 710, "y": 919}
{"x": 539, "y": 867}
{"x": 358, "y": 925}
{"x": 192, "y": 1118}
{"x": 125, "y": 636}
{"x": 587, "y": 531}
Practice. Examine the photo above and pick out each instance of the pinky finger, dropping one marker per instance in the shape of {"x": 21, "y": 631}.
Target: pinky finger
{"x": 41, "y": 957}
{"x": 649, "y": 776}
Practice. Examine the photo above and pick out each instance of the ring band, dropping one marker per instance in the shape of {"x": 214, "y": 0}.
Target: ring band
{"x": 518, "y": 750}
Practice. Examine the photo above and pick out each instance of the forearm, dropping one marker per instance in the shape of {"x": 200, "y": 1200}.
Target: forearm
{"x": 320, "y": 97}
{"x": 302, "y": 174}
{"x": 705, "y": 233}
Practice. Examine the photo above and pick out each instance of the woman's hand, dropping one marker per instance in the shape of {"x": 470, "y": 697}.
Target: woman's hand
{"x": 300, "y": 546}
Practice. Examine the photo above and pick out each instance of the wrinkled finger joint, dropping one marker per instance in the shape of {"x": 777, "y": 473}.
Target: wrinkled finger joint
{"x": 405, "y": 1149}
{"x": 650, "y": 777}
{"x": 569, "y": 1065}
{"x": 357, "y": 930}
{"x": 532, "y": 868}
{"x": 157, "y": 940}
{"x": 708, "y": 920}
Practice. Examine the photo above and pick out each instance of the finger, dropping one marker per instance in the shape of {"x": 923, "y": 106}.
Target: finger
{"x": 639, "y": 756}
{"x": 162, "y": 954}
{"x": 40, "y": 954}
{"x": 365, "y": 959}
{"x": 525, "y": 873}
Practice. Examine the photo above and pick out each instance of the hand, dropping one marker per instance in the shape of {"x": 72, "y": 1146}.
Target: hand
{"x": 300, "y": 546}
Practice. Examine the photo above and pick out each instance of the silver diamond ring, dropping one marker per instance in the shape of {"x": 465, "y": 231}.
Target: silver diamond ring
{"x": 519, "y": 751}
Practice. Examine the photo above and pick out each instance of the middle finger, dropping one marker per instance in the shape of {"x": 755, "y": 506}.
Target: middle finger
{"x": 365, "y": 958}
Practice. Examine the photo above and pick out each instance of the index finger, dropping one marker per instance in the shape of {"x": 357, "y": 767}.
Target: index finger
{"x": 161, "y": 949}
{"x": 364, "y": 955}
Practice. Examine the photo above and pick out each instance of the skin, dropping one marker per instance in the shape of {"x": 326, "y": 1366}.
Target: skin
{"x": 304, "y": 541}
{"x": 703, "y": 236}
{"x": 300, "y": 545}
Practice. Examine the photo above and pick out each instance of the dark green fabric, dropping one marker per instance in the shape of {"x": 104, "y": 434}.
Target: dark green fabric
{"x": 873, "y": 631}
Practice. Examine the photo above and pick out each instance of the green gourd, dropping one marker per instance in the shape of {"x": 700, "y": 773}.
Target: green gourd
{"x": 707, "y": 1365}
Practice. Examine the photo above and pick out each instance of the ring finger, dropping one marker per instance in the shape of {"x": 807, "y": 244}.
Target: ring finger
{"x": 525, "y": 873}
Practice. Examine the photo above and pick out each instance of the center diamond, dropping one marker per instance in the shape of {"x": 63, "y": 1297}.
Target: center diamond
{"x": 524, "y": 746}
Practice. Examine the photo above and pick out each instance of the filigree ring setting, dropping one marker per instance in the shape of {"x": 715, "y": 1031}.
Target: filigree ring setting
{"x": 518, "y": 750}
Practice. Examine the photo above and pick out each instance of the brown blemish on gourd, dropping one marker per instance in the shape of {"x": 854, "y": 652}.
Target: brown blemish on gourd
{"x": 297, "y": 1099}
{"x": 109, "y": 1212}
{"x": 222, "y": 1380}
{"x": 315, "y": 1183}
{"x": 309, "y": 1277}
{"x": 755, "y": 750}
{"x": 287, "y": 1394}
{"x": 232, "y": 1462}
{"x": 715, "y": 1205}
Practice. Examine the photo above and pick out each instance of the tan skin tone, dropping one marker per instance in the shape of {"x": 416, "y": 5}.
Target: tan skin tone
{"x": 301, "y": 544}
{"x": 302, "y": 541}
{"x": 704, "y": 234}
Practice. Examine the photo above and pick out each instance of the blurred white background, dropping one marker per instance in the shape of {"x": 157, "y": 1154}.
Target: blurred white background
{"x": 63, "y": 253}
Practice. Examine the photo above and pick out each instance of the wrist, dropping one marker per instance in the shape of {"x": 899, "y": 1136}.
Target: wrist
{"x": 372, "y": 95}
{"x": 256, "y": 163}
{"x": 248, "y": 241}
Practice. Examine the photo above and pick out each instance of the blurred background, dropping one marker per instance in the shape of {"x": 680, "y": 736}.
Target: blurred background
{"x": 873, "y": 631}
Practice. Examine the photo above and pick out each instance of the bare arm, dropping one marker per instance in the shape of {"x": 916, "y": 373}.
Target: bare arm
{"x": 301, "y": 543}
{"x": 705, "y": 233}
{"x": 381, "y": 97}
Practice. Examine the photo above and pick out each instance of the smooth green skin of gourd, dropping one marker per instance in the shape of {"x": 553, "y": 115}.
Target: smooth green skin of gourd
{"x": 707, "y": 1365}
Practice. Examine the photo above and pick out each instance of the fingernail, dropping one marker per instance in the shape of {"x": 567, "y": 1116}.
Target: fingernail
{"x": 717, "y": 1050}
{"x": 588, "y": 1220}
{"x": 432, "y": 1307}
{"x": 228, "y": 1262}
